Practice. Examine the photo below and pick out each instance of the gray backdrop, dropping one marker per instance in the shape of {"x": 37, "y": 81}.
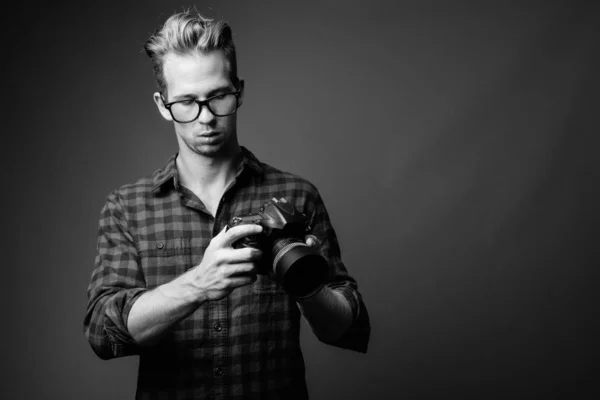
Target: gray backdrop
{"x": 454, "y": 143}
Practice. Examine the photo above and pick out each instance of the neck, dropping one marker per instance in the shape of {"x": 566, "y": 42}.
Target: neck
{"x": 198, "y": 171}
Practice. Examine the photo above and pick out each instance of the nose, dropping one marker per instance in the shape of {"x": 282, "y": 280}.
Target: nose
{"x": 205, "y": 116}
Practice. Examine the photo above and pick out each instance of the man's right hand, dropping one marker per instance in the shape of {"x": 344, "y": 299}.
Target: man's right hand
{"x": 224, "y": 268}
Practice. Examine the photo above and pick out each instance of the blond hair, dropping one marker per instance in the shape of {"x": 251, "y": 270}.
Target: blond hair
{"x": 188, "y": 32}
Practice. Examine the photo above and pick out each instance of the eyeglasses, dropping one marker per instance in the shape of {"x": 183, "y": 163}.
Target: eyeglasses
{"x": 188, "y": 110}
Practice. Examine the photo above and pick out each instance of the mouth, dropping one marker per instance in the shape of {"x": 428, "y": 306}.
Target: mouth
{"x": 208, "y": 134}
{"x": 209, "y": 138}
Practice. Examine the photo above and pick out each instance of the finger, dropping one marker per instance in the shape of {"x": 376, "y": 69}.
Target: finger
{"x": 245, "y": 254}
{"x": 241, "y": 266}
{"x": 312, "y": 241}
{"x": 242, "y": 280}
{"x": 239, "y": 231}
{"x": 219, "y": 237}
{"x": 246, "y": 269}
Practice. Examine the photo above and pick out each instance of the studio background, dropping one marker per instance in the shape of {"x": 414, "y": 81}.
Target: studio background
{"x": 454, "y": 143}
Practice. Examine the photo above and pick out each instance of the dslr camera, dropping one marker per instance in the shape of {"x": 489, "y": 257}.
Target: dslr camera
{"x": 299, "y": 268}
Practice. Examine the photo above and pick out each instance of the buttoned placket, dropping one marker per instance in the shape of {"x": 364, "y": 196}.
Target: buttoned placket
{"x": 219, "y": 314}
{"x": 218, "y": 309}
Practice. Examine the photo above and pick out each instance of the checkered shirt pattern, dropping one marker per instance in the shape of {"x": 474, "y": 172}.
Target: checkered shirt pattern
{"x": 244, "y": 346}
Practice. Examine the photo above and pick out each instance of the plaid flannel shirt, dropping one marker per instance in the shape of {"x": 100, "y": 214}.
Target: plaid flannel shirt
{"x": 243, "y": 346}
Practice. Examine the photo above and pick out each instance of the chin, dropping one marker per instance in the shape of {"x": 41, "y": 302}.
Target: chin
{"x": 210, "y": 150}
{"x": 218, "y": 146}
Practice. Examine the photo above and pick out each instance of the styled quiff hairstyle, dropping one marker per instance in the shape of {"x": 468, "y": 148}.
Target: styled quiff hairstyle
{"x": 185, "y": 33}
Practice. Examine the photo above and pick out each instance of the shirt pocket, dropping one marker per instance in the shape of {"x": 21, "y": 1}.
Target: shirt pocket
{"x": 164, "y": 259}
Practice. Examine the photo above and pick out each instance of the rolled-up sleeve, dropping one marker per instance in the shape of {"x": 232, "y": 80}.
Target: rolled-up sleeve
{"x": 116, "y": 283}
{"x": 357, "y": 336}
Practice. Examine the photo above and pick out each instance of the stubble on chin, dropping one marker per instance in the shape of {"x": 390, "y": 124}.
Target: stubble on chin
{"x": 209, "y": 152}
{"x": 220, "y": 149}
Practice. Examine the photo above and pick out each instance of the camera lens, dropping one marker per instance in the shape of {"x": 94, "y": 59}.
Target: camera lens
{"x": 299, "y": 267}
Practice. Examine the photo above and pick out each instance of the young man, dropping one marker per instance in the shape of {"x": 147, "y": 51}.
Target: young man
{"x": 168, "y": 284}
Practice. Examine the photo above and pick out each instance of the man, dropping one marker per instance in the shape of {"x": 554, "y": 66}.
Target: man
{"x": 170, "y": 286}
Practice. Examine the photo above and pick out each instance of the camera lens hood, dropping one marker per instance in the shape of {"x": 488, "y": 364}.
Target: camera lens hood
{"x": 299, "y": 268}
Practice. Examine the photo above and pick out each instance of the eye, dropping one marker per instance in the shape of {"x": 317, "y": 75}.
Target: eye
{"x": 219, "y": 97}
{"x": 186, "y": 102}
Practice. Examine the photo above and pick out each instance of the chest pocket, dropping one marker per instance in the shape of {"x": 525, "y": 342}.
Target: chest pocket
{"x": 164, "y": 259}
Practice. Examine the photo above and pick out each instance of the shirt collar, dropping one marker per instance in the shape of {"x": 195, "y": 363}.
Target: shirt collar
{"x": 168, "y": 175}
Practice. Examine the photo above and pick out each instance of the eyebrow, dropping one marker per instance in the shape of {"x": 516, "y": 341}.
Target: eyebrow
{"x": 209, "y": 94}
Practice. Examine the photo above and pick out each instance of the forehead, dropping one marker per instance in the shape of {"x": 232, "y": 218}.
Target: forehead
{"x": 196, "y": 73}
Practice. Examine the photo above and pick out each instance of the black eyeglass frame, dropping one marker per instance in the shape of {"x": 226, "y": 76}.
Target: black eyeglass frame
{"x": 201, "y": 104}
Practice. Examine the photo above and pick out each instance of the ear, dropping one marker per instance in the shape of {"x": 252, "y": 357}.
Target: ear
{"x": 161, "y": 107}
{"x": 241, "y": 89}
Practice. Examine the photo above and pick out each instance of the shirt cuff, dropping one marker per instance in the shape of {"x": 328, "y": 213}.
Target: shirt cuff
{"x": 358, "y": 334}
{"x": 115, "y": 322}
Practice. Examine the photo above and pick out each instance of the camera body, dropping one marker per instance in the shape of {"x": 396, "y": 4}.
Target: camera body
{"x": 298, "y": 267}
{"x": 279, "y": 220}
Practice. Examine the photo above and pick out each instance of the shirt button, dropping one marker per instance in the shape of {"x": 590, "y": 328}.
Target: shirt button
{"x": 160, "y": 245}
{"x": 219, "y": 371}
{"x": 218, "y": 327}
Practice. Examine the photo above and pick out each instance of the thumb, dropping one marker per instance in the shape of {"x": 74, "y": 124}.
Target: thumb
{"x": 312, "y": 241}
{"x": 219, "y": 236}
